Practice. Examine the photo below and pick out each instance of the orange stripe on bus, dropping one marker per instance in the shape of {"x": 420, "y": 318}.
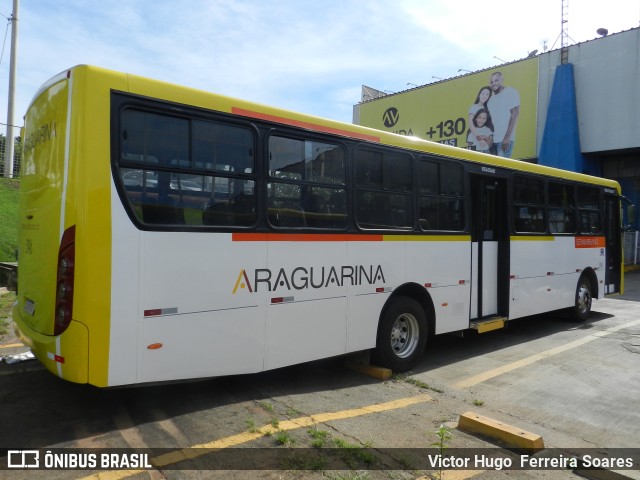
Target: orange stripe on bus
{"x": 303, "y": 237}
{"x": 308, "y": 125}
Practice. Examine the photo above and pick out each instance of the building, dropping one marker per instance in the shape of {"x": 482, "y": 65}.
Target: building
{"x": 579, "y": 109}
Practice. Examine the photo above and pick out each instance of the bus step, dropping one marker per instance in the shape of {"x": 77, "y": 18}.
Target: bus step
{"x": 488, "y": 324}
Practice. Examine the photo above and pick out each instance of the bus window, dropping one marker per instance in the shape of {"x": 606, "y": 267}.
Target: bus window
{"x": 450, "y": 179}
{"x": 440, "y": 196}
{"x": 383, "y": 190}
{"x": 528, "y": 205}
{"x": 167, "y": 182}
{"x": 227, "y": 151}
{"x": 589, "y": 210}
{"x": 152, "y": 137}
{"x": 307, "y": 184}
{"x": 562, "y": 211}
{"x": 222, "y": 148}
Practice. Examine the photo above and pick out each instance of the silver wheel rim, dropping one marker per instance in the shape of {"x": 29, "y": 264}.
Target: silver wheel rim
{"x": 584, "y": 299}
{"x": 404, "y": 335}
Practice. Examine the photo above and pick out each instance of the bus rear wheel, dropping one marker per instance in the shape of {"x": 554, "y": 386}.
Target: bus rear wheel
{"x": 402, "y": 335}
{"x": 584, "y": 296}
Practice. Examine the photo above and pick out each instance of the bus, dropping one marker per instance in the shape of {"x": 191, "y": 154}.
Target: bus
{"x": 167, "y": 233}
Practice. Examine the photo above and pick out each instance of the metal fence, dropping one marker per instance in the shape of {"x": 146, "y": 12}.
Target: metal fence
{"x": 631, "y": 247}
{"x": 17, "y": 151}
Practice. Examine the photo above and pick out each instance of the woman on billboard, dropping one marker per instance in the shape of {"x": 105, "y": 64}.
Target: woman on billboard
{"x": 480, "y": 125}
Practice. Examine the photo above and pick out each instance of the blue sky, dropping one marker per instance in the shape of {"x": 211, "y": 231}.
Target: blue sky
{"x": 308, "y": 56}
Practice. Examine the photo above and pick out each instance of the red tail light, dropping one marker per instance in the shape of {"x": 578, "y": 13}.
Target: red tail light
{"x": 64, "y": 289}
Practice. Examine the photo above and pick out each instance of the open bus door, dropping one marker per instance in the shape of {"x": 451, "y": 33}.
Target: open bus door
{"x": 613, "y": 233}
{"x": 490, "y": 247}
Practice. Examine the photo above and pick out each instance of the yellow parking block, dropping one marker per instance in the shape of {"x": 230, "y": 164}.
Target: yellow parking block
{"x": 513, "y": 437}
{"x": 380, "y": 373}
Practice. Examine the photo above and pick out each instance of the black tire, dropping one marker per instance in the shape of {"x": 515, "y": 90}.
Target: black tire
{"x": 402, "y": 335}
{"x": 583, "y": 299}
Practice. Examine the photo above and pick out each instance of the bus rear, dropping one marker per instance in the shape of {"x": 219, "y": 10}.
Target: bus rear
{"x": 46, "y": 248}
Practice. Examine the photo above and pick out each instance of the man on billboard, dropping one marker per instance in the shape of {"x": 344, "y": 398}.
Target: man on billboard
{"x": 504, "y": 107}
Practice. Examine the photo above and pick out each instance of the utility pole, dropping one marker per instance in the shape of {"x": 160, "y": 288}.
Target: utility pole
{"x": 9, "y": 147}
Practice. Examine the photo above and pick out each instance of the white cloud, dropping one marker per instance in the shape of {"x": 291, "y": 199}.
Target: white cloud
{"x": 510, "y": 29}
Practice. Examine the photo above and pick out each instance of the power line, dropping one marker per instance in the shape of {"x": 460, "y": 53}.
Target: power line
{"x": 4, "y": 43}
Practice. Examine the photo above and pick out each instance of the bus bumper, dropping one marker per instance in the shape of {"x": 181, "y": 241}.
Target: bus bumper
{"x": 65, "y": 355}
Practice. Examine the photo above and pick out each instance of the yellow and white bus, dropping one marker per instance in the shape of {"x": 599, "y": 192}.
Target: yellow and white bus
{"x": 168, "y": 233}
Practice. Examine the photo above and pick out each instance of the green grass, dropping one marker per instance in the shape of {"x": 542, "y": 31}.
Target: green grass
{"x": 8, "y": 219}
{"x": 283, "y": 439}
{"x": 319, "y": 437}
{"x": 403, "y": 377}
{"x": 354, "y": 454}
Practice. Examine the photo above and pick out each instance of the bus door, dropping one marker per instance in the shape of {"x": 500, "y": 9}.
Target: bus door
{"x": 489, "y": 247}
{"x": 613, "y": 243}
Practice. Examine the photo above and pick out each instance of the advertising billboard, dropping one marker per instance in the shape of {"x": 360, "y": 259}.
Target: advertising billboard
{"x": 493, "y": 111}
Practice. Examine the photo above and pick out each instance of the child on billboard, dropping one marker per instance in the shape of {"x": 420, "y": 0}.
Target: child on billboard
{"x": 480, "y": 125}
{"x": 480, "y": 136}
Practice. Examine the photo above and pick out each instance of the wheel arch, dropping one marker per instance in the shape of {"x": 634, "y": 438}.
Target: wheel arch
{"x": 419, "y": 294}
{"x": 590, "y": 273}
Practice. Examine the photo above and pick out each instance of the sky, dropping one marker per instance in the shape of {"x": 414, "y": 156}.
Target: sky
{"x": 309, "y": 56}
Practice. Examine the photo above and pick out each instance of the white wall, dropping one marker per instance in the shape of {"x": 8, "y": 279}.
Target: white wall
{"x": 607, "y": 81}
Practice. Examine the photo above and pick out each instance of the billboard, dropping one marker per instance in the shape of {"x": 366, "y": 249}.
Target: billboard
{"x": 493, "y": 110}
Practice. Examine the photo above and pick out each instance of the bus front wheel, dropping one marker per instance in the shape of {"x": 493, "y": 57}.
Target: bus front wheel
{"x": 402, "y": 335}
{"x": 582, "y": 307}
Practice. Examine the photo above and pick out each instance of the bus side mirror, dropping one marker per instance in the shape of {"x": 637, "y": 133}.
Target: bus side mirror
{"x": 631, "y": 214}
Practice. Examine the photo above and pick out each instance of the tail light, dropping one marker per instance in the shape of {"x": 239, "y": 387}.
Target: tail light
{"x": 64, "y": 289}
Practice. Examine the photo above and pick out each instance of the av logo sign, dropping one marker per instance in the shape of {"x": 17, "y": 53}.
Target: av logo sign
{"x": 390, "y": 117}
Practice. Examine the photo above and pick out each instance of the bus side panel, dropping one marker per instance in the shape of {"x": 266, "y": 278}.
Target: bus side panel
{"x": 443, "y": 265}
{"x": 206, "y": 344}
{"x": 311, "y": 321}
{"x": 198, "y": 305}
{"x": 303, "y": 331}
{"x": 546, "y": 271}
{"x": 530, "y": 296}
{"x": 363, "y": 316}
{"x": 383, "y": 267}
{"x": 125, "y": 290}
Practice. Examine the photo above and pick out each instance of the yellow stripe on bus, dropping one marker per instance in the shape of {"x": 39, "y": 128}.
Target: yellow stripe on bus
{"x": 533, "y": 238}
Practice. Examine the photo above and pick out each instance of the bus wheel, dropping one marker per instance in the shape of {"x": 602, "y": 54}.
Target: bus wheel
{"x": 582, "y": 307}
{"x": 402, "y": 335}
